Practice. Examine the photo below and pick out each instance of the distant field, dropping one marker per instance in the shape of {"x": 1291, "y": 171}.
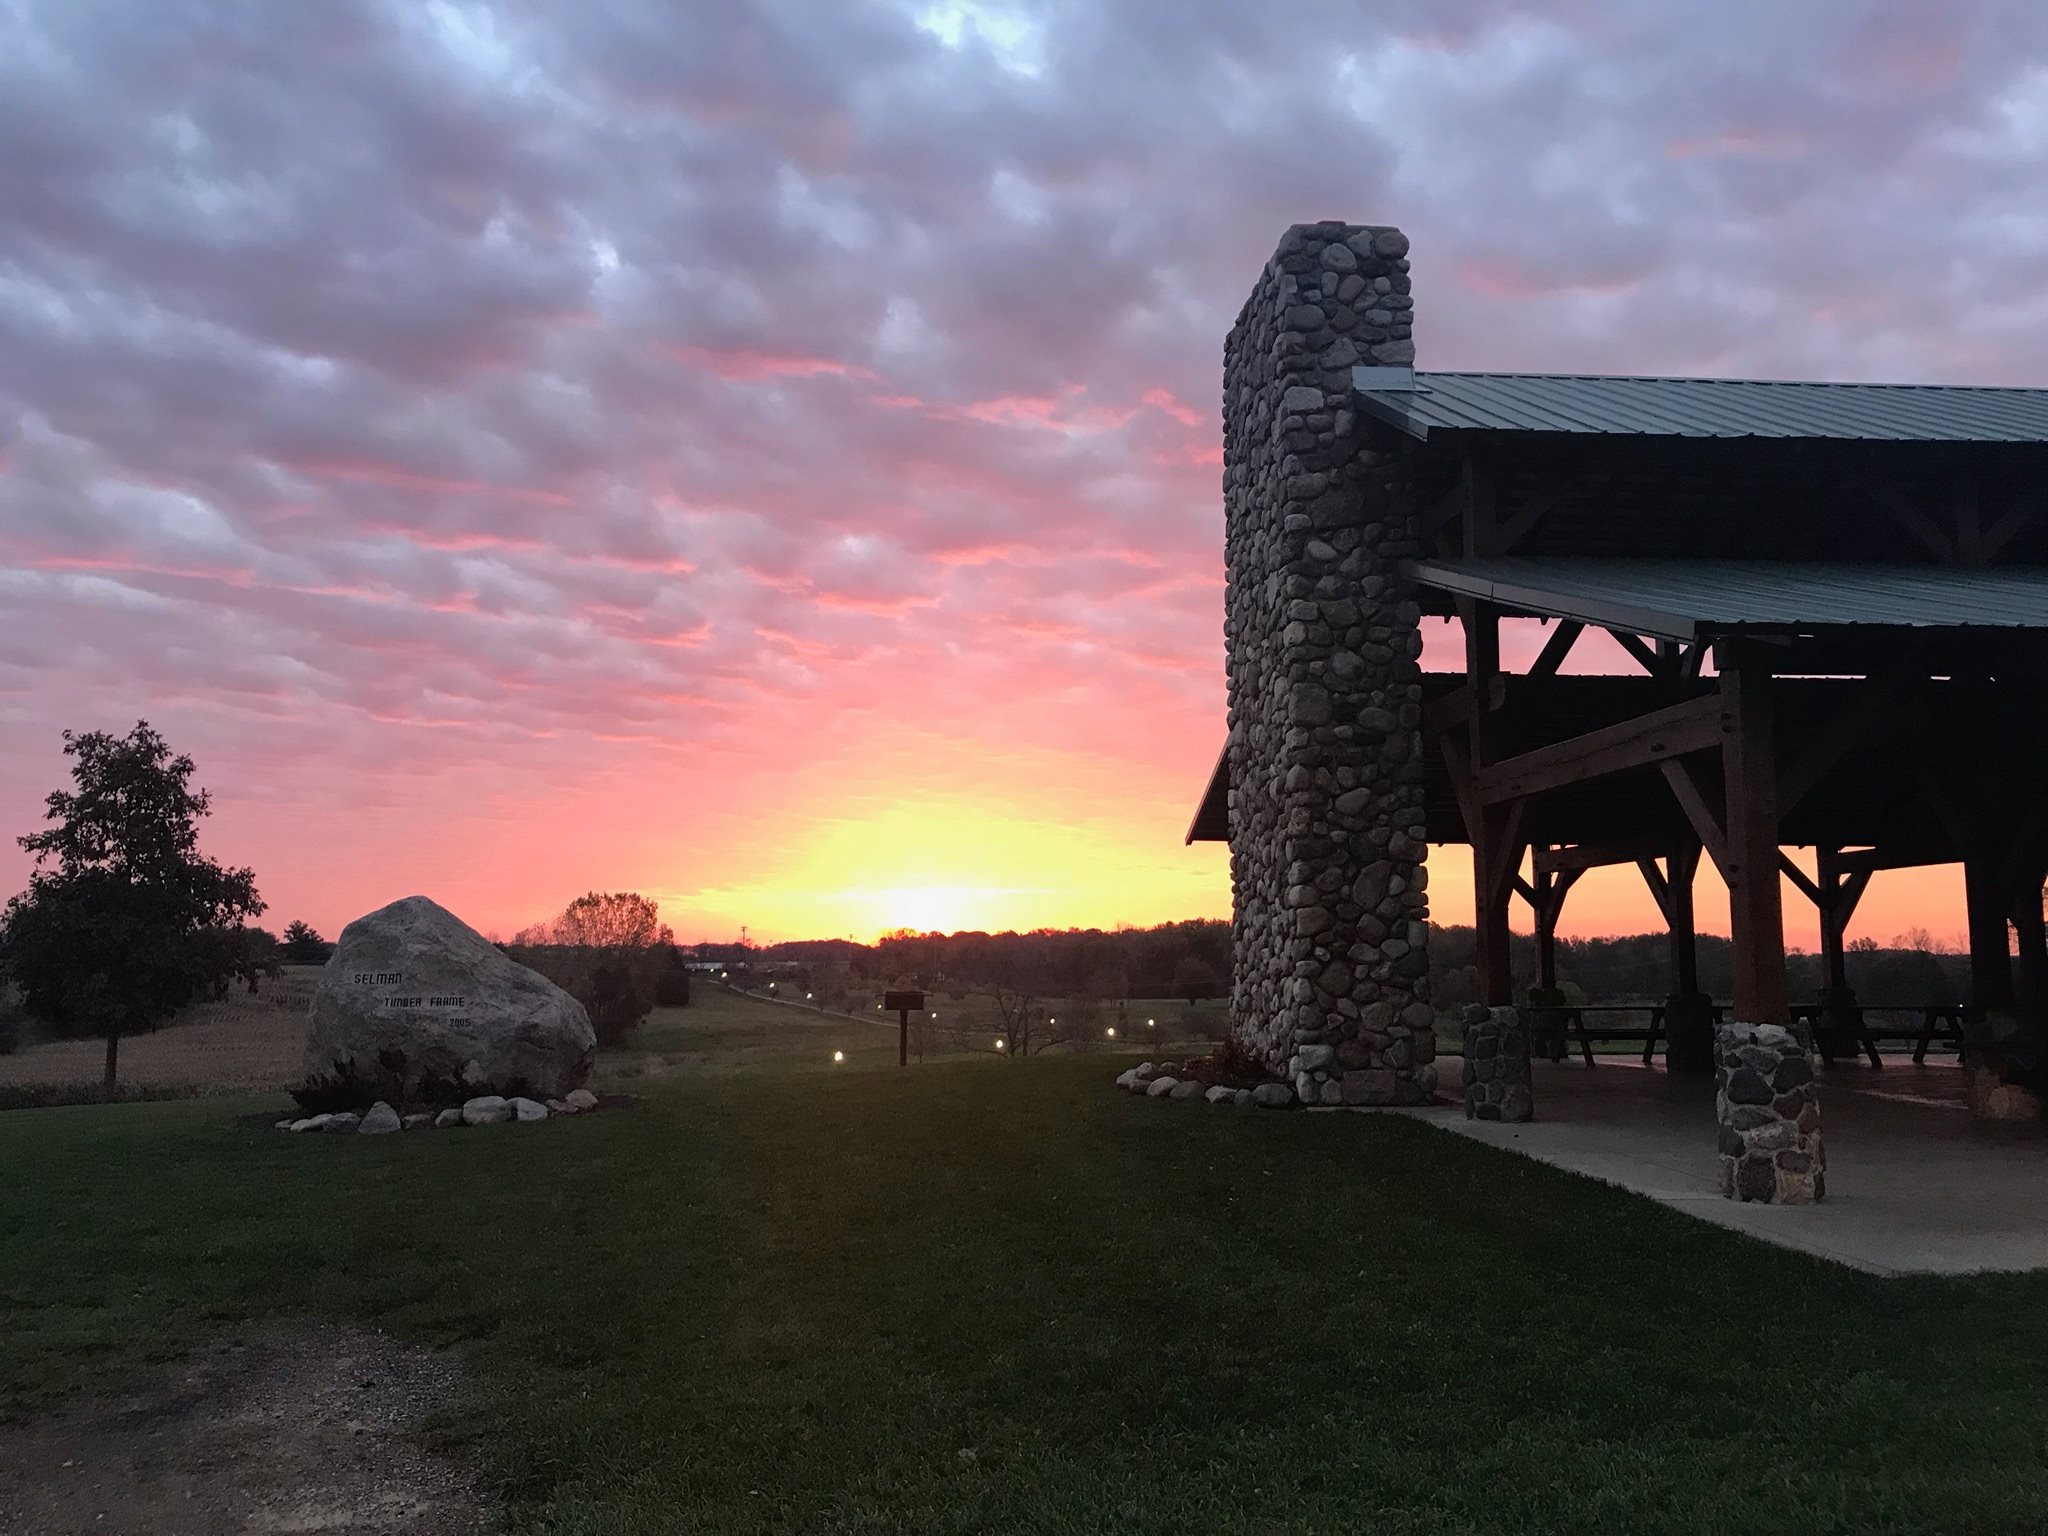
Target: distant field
{"x": 951, "y": 1025}
{"x": 234, "y": 1046}
{"x": 255, "y": 1044}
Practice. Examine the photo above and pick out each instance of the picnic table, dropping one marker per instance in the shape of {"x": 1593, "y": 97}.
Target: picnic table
{"x": 1938, "y": 1021}
{"x": 1572, "y": 1025}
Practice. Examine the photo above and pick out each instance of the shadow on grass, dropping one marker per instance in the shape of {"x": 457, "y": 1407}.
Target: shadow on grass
{"x": 883, "y": 1301}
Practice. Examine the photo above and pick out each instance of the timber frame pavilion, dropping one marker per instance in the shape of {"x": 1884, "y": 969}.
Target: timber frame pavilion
{"x": 1837, "y": 595}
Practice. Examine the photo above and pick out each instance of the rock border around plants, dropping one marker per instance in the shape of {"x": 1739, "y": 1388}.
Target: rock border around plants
{"x": 381, "y": 1119}
{"x": 1148, "y": 1080}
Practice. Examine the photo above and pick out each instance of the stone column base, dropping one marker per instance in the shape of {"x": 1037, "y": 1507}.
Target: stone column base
{"x": 1993, "y": 1098}
{"x": 1768, "y": 1106}
{"x": 1497, "y": 1065}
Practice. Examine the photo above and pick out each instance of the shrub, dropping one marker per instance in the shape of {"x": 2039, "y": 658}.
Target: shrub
{"x": 1229, "y": 1065}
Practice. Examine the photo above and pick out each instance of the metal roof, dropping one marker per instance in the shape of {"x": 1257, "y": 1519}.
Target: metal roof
{"x": 1659, "y": 407}
{"x": 1681, "y": 599}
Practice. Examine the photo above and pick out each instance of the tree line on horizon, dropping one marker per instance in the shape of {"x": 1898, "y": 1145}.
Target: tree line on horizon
{"x": 125, "y": 922}
{"x": 1190, "y": 961}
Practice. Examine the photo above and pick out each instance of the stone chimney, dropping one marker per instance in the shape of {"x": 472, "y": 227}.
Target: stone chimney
{"x": 1330, "y": 924}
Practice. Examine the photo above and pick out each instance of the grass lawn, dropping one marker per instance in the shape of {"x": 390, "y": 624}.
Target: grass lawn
{"x": 971, "y": 1298}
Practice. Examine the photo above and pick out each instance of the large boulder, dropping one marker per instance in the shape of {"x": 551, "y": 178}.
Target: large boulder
{"x": 417, "y": 1006}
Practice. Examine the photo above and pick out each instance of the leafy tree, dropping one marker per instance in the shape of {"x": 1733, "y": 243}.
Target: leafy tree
{"x": 608, "y": 949}
{"x": 1195, "y": 978}
{"x": 112, "y": 932}
{"x": 610, "y": 920}
{"x": 303, "y": 946}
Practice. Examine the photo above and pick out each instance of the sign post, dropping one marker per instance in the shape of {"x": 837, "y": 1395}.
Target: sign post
{"x": 903, "y": 1003}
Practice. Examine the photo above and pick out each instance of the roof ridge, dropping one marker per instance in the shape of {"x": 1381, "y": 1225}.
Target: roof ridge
{"x": 1682, "y": 378}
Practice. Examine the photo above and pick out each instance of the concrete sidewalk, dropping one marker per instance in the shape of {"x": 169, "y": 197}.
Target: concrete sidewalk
{"x": 1915, "y": 1185}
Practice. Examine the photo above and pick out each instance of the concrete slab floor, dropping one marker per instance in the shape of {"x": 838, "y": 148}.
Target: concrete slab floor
{"x": 1915, "y": 1184}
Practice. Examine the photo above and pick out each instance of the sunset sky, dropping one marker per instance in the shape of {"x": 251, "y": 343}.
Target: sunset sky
{"x": 767, "y": 456}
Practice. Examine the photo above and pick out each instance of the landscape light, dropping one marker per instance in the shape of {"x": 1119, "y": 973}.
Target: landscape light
{"x": 999, "y": 1042}
{"x": 839, "y": 1055}
{"x": 807, "y": 997}
{"x": 1151, "y": 1023}
{"x": 1112, "y": 1031}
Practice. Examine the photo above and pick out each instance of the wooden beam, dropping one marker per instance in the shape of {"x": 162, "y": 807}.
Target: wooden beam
{"x": 1800, "y": 878}
{"x": 2000, "y": 534}
{"x": 1660, "y": 888}
{"x": 1932, "y": 536}
{"x": 1458, "y": 769}
{"x": 1850, "y": 895}
{"x": 1479, "y": 506}
{"x": 1448, "y": 713}
{"x": 1577, "y": 856}
{"x": 1694, "y": 726}
{"x": 1510, "y": 533}
{"x": 1556, "y": 648}
{"x": 1706, "y": 827}
{"x": 1510, "y": 846}
{"x": 1848, "y": 725}
{"x": 1865, "y": 861}
{"x": 1633, "y": 644}
{"x": 1445, "y": 510}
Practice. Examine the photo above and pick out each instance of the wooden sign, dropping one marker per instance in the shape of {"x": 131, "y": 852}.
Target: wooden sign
{"x": 896, "y": 1002}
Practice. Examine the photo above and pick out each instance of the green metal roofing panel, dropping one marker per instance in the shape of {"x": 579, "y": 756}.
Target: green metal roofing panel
{"x": 1655, "y": 407}
{"x": 1683, "y": 599}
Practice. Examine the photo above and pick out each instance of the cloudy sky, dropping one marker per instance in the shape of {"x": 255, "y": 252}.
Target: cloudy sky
{"x": 767, "y": 455}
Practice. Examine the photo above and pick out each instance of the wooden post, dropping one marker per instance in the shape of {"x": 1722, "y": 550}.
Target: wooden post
{"x": 1494, "y": 851}
{"x": 1680, "y": 866}
{"x": 2032, "y": 932}
{"x": 1756, "y": 916}
{"x": 1991, "y": 982}
{"x": 903, "y": 1037}
{"x": 1547, "y": 904}
{"x": 1834, "y": 960}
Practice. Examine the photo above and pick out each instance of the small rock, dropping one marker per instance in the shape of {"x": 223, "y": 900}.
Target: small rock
{"x": 486, "y": 1109}
{"x": 311, "y": 1123}
{"x": 529, "y": 1109}
{"x": 1187, "y": 1088}
{"x": 581, "y": 1100}
{"x": 337, "y": 1124}
{"x": 285, "y": 1125}
{"x": 1221, "y": 1095}
{"x": 1126, "y": 1080}
{"x": 1160, "y": 1087}
{"x": 421, "y": 1122}
{"x": 1272, "y": 1095}
{"x": 382, "y": 1120}
{"x": 447, "y": 1118}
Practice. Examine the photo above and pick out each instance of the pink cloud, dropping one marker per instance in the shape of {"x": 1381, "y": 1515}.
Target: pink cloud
{"x": 750, "y": 365}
